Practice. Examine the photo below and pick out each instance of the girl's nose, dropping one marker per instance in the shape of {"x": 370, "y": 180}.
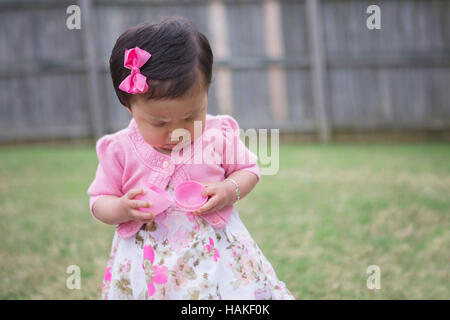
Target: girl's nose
{"x": 176, "y": 136}
{"x": 173, "y": 126}
{"x": 175, "y": 139}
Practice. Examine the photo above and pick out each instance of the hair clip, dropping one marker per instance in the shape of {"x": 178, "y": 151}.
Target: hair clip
{"x": 135, "y": 82}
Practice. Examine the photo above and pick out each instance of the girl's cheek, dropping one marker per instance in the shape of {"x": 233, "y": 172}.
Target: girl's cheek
{"x": 154, "y": 137}
{"x": 199, "y": 131}
{"x": 191, "y": 134}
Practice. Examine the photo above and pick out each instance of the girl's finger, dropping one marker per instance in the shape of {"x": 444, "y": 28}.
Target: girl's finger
{"x": 135, "y": 204}
{"x": 143, "y": 216}
{"x": 148, "y": 221}
{"x": 209, "y": 190}
{"x": 135, "y": 192}
{"x": 208, "y": 206}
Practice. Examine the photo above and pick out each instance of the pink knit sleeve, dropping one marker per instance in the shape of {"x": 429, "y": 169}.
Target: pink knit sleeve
{"x": 236, "y": 155}
{"x": 108, "y": 178}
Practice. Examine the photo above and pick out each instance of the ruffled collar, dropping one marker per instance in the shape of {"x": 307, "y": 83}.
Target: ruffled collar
{"x": 152, "y": 156}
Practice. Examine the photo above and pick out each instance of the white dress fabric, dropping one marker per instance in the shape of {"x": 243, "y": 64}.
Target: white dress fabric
{"x": 180, "y": 256}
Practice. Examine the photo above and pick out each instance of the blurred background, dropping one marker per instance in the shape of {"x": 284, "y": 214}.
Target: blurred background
{"x": 364, "y": 119}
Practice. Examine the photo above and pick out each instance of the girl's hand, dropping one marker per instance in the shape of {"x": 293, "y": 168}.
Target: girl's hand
{"x": 222, "y": 194}
{"x": 128, "y": 206}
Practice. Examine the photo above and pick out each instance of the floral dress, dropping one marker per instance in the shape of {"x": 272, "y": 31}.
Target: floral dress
{"x": 180, "y": 256}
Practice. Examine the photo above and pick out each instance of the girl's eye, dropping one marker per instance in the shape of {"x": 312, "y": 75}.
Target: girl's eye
{"x": 191, "y": 118}
{"x": 161, "y": 124}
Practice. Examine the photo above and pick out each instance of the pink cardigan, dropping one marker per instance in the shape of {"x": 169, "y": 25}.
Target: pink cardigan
{"x": 126, "y": 161}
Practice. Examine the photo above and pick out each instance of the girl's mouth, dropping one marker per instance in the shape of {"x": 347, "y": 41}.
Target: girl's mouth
{"x": 170, "y": 146}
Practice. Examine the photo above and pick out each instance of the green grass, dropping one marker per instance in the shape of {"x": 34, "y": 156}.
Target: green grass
{"x": 329, "y": 213}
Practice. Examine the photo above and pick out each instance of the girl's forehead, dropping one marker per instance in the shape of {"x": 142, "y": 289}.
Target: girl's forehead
{"x": 173, "y": 108}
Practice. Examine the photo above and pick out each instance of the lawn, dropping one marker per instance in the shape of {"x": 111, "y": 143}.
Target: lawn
{"x": 329, "y": 213}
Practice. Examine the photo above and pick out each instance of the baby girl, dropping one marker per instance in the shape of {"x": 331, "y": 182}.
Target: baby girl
{"x": 161, "y": 74}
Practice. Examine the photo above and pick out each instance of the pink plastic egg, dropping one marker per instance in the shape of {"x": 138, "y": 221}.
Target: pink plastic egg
{"x": 160, "y": 199}
{"x": 188, "y": 195}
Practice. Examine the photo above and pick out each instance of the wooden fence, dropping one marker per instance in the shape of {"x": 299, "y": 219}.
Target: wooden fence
{"x": 301, "y": 66}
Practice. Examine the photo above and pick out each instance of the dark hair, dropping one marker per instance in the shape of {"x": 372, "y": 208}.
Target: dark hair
{"x": 180, "y": 55}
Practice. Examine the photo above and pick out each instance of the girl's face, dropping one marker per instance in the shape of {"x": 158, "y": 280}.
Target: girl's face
{"x": 157, "y": 119}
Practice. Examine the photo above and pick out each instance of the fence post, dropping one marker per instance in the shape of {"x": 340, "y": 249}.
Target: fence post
{"x": 318, "y": 68}
{"x": 89, "y": 31}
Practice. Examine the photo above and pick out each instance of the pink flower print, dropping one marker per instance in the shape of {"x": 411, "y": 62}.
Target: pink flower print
{"x": 106, "y": 282}
{"x": 247, "y": 270}
{"x": 263, "y": 294}
{"x": 160, "y": 274}
{"x": 149, "y": 254}
{"x": 180, "y": 239}
{"x": 161, "y": 231}
{"x": 181, "y": 273}
{"x": 154, "y": 274}
{"x": 268, "y": 269}
{"x": 243, "y": 270}
{"x": 191, "y": 217}
{"x": 209, "y": 247}
{"x": 180, "y": 281}
{"x": 126, "y": 267}
{"x": 162, "y": 293}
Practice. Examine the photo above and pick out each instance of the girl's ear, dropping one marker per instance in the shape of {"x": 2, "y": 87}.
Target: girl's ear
{"x": 129, "y": 110}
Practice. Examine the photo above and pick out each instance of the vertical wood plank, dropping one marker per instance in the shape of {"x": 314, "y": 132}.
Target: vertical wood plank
{"x": 219, "y": 41}
{"x": 274, "y": 49}
{"x": 318, "y": 72}
{"x": 89, "y": 30}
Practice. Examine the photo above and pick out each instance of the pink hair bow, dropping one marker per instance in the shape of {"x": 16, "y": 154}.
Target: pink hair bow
{"x": 136, "y": 82}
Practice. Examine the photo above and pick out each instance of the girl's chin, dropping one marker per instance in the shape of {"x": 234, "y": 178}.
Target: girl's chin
{"x": 167, "y": 147}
